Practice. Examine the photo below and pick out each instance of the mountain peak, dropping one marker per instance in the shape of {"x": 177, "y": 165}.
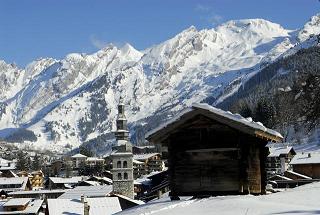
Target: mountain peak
{"x": 260, "y": 26}
{"x": 312, "y": 27}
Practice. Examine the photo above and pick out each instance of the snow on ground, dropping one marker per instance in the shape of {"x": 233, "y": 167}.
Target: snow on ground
{"x": 300, "y": 200}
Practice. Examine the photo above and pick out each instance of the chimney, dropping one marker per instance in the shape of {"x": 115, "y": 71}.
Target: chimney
{"x": 86, "y": 207}
{"x": 82, "y": 198}
{"x": 309, "y": 155}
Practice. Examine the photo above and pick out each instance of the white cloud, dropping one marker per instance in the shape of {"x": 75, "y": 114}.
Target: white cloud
{"x": 202, "y": 8}
{"x": 215, "y": 19}
{"x": 100, "y": 44}
{"x": 208, "y": 14}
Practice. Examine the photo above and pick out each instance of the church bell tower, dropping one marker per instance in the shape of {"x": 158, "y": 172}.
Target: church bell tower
{"x": 122, "y": 165}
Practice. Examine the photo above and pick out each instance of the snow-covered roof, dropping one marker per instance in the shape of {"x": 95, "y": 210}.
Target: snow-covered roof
{"x": 142, "y": 157}
{"x": 59, "y": 180}
{"x": 3, "y": 168}
{"x": 105, "y": 179}
{"x": 79, "y": 156}
{"x": 235, "y": 121}
{"x": 301, "y": 200}
{"x": 138, "y": 202}
{"x": 281, "y": 177}
{"x": 26, "y": 192}
{"x": 277, "y": 151}
{"x": 17, "y": 202}
{"x": 13, "y": 180}
{"x": 298, "y": 174}
{"x": 105, "y": 206}
{"x": 4, "y": 161}
{"x": 89, "y": 191}
{"x": 306, "y": 158}
{"x": 94, "y": 159}
{"x": 137, "y": 162}
{"x": 33, "y": 205}
{"x": 92, "y": 183}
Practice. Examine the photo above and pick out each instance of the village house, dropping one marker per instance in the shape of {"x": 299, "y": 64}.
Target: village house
{"x": 307, "y": 163}
{"x": 78, "y": 159}
{"x": 36, "y": 178}
{"x": 63, "y": 183}
{"x": 278, "y": 159}
{"x": 7, "y": 173}
{"x": 213, "y": 152}
{"x": 7, "y": 163}
{"x": 102, "y": 205}
{"x": 147, "y": 163}
{"x": 101, "y": 180}
{"x": 139, "y": 169}
{"x": 38, "y": 194}
{"x": 96, "y": 205}
{"x": 94, "y": 161}
{"x": 88, "y": 191}
{"x": 15, "y": 184}
{"x": 20, "y": 206}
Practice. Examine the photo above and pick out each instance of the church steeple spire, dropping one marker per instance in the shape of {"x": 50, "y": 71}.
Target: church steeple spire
{"x": 122, "y": 132}
{"x": 122, "y": 158}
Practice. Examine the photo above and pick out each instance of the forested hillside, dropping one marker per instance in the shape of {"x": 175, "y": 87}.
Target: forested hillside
{"x": 285, "y": 95}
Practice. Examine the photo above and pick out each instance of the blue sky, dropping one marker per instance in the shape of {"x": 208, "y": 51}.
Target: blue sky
{"x": 30, "y": 29}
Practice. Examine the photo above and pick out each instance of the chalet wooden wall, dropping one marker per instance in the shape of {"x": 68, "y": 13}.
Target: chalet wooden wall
{"x": 311, "y": 170}
{"x": 206, "y": 157}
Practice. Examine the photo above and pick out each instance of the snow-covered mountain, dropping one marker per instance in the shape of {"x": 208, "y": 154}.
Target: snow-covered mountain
{"x": 60, "y": 104}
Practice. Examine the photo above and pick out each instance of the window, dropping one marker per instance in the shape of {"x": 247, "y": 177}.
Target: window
{"x": 125, "y": 175}
{"x": 119, "y": 176}
{"x": 125, "y": 164}
{"x": 119, "y": 164}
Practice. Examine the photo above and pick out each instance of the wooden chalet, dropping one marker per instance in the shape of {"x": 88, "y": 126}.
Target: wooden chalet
{"x": 214, "y": 152}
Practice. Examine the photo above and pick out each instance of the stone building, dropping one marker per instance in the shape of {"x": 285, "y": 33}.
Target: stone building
{"x": 122, "y": 158}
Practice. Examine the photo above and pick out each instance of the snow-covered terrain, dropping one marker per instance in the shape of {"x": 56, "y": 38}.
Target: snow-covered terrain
{"x": 72, "y": 101}
{"x": 301, "y": 200}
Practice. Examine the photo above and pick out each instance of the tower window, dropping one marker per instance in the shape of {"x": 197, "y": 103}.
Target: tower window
{"x": 119, "y": 164}
{"x": 125, "y": 164}
{"x": 125, "y": 175}
{"x": 120, "y": 176}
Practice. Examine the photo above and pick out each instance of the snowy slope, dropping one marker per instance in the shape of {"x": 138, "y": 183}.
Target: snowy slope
{"x": 301, "y": 200}
{"x": 72, "y": 101}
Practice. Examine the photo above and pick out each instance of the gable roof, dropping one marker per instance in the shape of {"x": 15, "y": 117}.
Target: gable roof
{"x": 142, "y": 157}
{"x": 59, "y": 180}
{"x": 236, "y": 121}
{"x": 282, "y": 150}
{"x": 105, "y": 205}
{"x": 306, "y": 158}
{"x": 33, "y": 205}
{"x": 89, "y": 191}
{"x": 20, "y": 181}
{"x": 78, "y": 156}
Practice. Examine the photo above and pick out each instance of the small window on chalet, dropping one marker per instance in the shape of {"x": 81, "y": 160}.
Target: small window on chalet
{"x": 125, "y": 175}
{"x": 125, "y": 164}
{"x": 119, "y": 176}
{"x": 119, "y": 164}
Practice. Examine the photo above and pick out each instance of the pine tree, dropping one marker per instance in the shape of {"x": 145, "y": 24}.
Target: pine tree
{"x": 85, "y": 151}
{"x": 245, "y": 110}
{"x": 36, "y": 164}
{"x": 311, "y": 98}
{"x": 265, "y": 112}
{"x": 22, "y": 161}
